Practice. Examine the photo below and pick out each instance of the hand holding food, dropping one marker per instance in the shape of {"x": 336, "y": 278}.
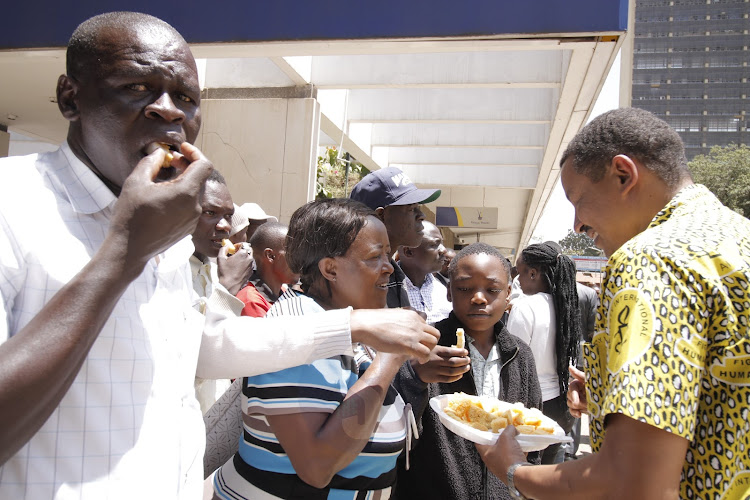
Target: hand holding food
{"x": 446, "y": 365}
{"x": 486, "y": 414}
{"x": 168, "y": 156}
{"x": 231, "y": 249}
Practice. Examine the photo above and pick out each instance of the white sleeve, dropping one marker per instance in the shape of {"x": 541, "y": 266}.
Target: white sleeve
{"x": 12, "y": 277}
{"x": 241, "y": 346}
{"x": 521, "y": 321}
{"x": 221, "y": 299}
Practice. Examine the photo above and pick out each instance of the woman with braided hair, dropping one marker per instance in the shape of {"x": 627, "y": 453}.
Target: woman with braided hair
{"x": 546, "y": 317}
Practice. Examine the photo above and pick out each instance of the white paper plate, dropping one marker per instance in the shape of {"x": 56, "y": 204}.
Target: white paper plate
{"x": 528, "y": 442}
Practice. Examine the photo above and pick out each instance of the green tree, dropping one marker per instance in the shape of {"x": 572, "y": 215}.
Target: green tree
{"x": 578, "y": 244}
{"x": 337, "y": 174}
{"x": 726, "y": 172}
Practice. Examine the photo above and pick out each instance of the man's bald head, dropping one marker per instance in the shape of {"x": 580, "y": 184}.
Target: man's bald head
{"x": 86, "y": 47}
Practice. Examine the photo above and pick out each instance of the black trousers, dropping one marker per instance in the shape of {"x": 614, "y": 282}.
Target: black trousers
{"x": 557, "y": 410}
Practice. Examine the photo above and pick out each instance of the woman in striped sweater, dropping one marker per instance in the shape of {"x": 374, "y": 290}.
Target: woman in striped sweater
{"x": 333, "y": 428}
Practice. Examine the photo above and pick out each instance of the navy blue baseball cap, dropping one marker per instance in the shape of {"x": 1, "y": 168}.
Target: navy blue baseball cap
{"x": 390, "y": 186}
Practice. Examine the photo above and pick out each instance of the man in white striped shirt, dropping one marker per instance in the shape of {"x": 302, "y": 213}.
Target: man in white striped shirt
{"x": 99, "y": 340}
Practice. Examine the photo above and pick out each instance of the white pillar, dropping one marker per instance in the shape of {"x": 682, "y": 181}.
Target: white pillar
{"x": 266, "y": 148}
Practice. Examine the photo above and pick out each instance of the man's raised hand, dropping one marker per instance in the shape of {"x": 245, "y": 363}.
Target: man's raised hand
{"x": 234, "y": 270}
{"x": 399, "y": 331}
{"x": 151, "y": 215}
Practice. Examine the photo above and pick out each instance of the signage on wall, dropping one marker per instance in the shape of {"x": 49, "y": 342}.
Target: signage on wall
{"x": 473, "y": 217}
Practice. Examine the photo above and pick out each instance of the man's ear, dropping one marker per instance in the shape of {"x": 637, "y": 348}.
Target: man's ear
{"x": 269, "y": 254}
{"x": 67, "y": 94}
{"x": 380, "y": 213}
{"x": 327, "y": 268}
{"x": 450, "y": 295}
{"x": 625, "y": 171}
{"x": 406, "y": 252}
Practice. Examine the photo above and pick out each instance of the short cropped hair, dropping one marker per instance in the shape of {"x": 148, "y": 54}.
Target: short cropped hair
{"x": 84, "y": 49}
{"x": 320, "y": 229}
{"x": 215, "y": 176}
{"x": 476, "y": 249}
{"x": 633, "y": 132}
{"x": 269, "y": 235}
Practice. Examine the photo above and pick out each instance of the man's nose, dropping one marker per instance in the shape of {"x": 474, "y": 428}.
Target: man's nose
{"x": 479, "y": 298}
{"x": 578, "y": 226}
{"x": 164, "y": 108}
{"x": 224, "y": 225}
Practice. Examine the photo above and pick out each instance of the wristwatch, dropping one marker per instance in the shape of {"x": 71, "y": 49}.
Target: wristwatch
{"x": 511, "y": 485}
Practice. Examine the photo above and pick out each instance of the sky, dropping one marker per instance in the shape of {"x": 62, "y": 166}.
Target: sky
{"x": 557, "y": 217}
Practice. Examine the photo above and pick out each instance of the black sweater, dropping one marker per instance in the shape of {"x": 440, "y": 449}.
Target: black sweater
{"x": 443, "y": 464}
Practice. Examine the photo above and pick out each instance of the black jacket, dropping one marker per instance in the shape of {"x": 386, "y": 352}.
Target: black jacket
{"x": 397, "y": 296}
{"x": 447, "y": 466}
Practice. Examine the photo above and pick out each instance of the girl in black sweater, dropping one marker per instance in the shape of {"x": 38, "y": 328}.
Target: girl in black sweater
{"x": 443, "y": 464}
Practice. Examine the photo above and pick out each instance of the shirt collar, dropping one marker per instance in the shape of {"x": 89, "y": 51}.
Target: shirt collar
{"x": 263, "y": 288}
{"x": 86, "y": 193}
{"x": 428, "y": 279}
{"x": 685, "y": 196}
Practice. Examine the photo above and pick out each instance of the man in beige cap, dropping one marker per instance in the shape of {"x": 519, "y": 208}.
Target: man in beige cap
{"x": 257, "y": 217}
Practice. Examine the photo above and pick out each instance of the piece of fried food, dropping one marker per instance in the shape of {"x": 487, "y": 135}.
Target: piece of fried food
{"x": 460, "y": 339}
{"x": 486, "y": 414}
{"x": 231, "y": 249}
{"x": 168, "y": 156}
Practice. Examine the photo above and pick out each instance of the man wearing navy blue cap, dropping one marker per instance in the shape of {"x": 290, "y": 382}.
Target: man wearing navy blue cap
{"x": 396, "y": 200}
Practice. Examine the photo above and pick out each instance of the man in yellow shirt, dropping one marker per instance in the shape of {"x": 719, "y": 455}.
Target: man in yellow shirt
{"x": 668, "y": 369}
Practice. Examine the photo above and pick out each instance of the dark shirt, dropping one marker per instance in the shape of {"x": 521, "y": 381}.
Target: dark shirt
{"x": 588, "y": 301}
{"x": 257, "y": 297}
{"x": 397, "y": 296}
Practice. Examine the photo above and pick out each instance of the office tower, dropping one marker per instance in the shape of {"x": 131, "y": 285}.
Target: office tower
{"x": 690, "y": 67}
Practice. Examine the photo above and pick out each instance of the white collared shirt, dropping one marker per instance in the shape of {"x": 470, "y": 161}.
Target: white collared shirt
{"x": 129, "y": 426}
{"x": 486, "y": 372}
{"x": 431, "y": 298}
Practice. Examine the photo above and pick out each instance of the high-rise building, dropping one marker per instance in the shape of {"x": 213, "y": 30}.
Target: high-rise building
{"x": 690, "y": 67}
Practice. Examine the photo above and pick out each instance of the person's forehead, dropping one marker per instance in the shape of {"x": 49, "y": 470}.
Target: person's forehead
{"x": 217, "y": 194}
{"x": 371, "y": 235}
{"x": 144, "y": 48}
{"x": 481, "y": 266}
{"x": 573, "y": 182}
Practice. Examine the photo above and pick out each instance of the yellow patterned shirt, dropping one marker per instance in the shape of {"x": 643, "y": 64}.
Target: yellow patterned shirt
{"x": 672, "y": 344}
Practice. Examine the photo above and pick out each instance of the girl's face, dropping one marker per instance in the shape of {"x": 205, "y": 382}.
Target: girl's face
{"x": 479, "y": 290}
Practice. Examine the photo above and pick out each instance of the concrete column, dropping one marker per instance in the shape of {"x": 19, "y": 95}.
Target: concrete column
{"x": 266, "y": 148}
{"x": 4, "y": 143}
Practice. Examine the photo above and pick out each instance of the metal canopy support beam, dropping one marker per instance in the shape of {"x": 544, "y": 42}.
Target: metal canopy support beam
{"x": 582, "y": 85}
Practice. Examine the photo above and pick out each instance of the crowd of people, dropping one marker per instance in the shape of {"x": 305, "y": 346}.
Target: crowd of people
{"x": 140, "y": 335}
